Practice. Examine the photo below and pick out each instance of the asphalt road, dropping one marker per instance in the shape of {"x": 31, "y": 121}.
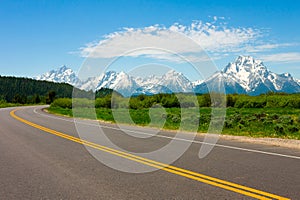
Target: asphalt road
{"x": 42, "y": 157}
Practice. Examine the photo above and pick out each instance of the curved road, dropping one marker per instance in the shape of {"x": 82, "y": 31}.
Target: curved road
{"x": 42, "y": 157}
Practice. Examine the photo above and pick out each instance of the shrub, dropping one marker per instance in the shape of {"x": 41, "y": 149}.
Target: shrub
{"x": 274, "y": 116}
{"x": 286, "y": 120}
{"x": 277, "y": 101}
{"x": 104, "y": 102}
{"x": 230, "y": 100}
{"x": 83, "y": 103}
{"x": 293, "y": 129}
{"x": 170, "y": 102}
{"x": 62, "y": 103}
{"x": 176, "y": 118}
{"x": 204, "y": 100}
{"x": 228, "y": 124}
{"x": 164, "y": 116}
{"x": 187, "y": 104}
{"x": 135, "y": 103}
{"x": 250, "y": 102}
{"x": 294, "y": 103}
{"x": 279, "y": 129}
{"x": 3, "y": 101}
{"x": 260, "y": 116}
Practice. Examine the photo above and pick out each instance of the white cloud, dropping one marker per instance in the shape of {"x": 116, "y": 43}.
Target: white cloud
{"x": 267, "y": 47}
{"x": 164, "y": 43}
{"x": 153, "y": 40}
{"x": 288, "y": 57}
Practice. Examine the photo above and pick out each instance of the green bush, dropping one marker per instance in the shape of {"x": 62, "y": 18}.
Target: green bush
{"x": 204, "y": 100}
{"x": 62, "y": 103}
{"x": 245, "y": 101}
{"x": 293, "y": 129}
{"x": 104, "y": 102}
{"x": 2, "y": 101}
{"x": 294, "y": 103}
{"x": 176, "y": 119}
{"x": 231, "y": 100}
{"x": 135, "y": 103}
{"x": 285, "y": 120}
{"x": 170, "y": 102}
{"x": 282, "y": 101}
{"x": 279, "y": 129}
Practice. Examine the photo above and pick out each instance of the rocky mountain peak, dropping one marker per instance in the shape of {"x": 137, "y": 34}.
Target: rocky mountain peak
{"x": 245, "y": 75}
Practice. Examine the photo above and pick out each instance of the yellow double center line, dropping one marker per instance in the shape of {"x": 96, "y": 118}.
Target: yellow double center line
{"x": 169, "y": 168}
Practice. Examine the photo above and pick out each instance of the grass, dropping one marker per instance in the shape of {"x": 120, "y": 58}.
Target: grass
{"x": 263, "y": 122}
{"x": 5, "y": 105}
{"x": 254, "y": 122}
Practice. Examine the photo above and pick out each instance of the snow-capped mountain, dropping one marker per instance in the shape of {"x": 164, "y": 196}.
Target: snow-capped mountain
{"x": 197, "y": 82}
{"x": 249, "y": 76}
{"x": 170, "y": 82}
{"x": 128, "y": 85}
{"x": 61, "y": 75}
{"x": 125, "y": 84}
{"x": 121, "y": 82}
{"x": 176, "y": 82}
{"x": 244, "y": 76}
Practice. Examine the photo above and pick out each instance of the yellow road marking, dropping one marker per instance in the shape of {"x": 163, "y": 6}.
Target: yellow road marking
{"x": 169, "y": 168}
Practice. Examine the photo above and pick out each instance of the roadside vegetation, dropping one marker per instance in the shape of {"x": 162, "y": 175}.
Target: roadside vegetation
{"x": 268, "y": 115}
{"x": 4, "y": 104}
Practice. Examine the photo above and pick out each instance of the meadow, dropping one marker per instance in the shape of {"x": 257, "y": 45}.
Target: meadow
{"x": 270, "y": 115}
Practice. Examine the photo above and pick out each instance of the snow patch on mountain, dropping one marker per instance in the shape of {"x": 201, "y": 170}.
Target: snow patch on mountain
{"x": 176, "y": 82}
{"x": 61, "y": 75}
{"x": 197, "y": 82}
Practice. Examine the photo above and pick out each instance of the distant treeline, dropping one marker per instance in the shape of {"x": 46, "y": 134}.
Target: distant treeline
{"x": 26, "y": 90}
{"x": 106, "y": 99}
{"x": 269, "y": 100}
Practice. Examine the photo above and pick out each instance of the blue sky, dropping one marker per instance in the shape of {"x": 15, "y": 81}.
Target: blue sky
{"x": 37, "y": 36}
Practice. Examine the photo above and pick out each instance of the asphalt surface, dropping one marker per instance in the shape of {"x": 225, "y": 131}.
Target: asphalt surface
{"x": 37, "y": 164}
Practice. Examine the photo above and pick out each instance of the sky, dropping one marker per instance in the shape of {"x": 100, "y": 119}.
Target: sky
{"x": 38, "y": 36}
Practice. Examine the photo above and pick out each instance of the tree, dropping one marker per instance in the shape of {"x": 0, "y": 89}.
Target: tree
{"x": 17, "y": 98}
{"x": 50, "y": 97}
{"x": 22, "y": 99}
{"x": 170, "y": 101}
{"x": 36, "y": 99}
{"x": 230, "y": 101}
{"x": 205, "y": 100}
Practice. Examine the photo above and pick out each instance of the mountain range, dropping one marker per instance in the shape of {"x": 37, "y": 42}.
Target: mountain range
{"x": 245, "y": 75}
